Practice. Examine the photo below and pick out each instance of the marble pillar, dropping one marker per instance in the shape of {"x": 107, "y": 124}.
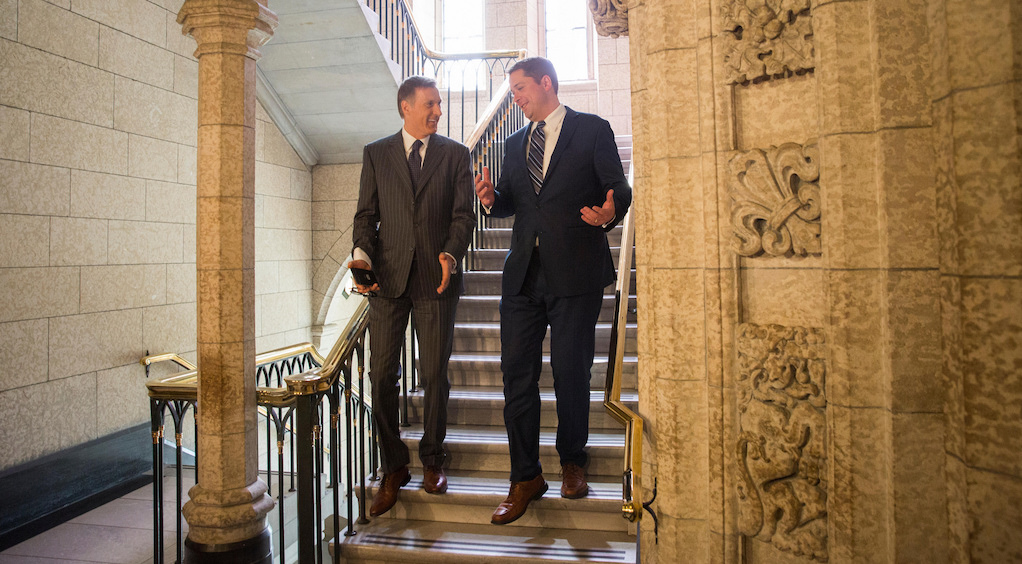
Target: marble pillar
{"x": 228, "y": 505}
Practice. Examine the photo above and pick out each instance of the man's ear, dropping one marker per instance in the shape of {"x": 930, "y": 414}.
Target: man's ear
{"x": 546, "y": 82}
{"x": 405, "y": 108}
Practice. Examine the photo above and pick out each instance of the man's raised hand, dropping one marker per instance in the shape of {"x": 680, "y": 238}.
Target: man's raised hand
{"x": 600, "y": 215}
{"x": 484, "y": 188}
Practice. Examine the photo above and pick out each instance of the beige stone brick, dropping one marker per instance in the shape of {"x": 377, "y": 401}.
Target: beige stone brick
{"x": 902, "y": 64}
{"x": 785, "y": 296}
{"x": 675, "y": 121}
{"x": 186, "y": 77}
{"x": 23, "y": 350}
{"x": 267, "y": 278}
{"x": 981, "y": 50}
{"x": 272, "y": 180}
{"x": 107, "y": 196}
{"x": 171, "y": 203}
{"x": 122, "y": 399}
{"x": 106, "y": 288}
{"x": 322, "y": 242}
{"x": 678, "y": 315}
{"x": 844, "y": 66}
{"x": 680, "y": 216}
{"x": 58, "y": 31}
{"x": 279, "y": 312}
{"x": 15, "y": 141}
{"x": 295, "y": 275}
{"x": 41, "y": 82}
{"x": 188, "y": 238}
{"x": 991, "y": 330}
{"x": 77, "y": 241}
{"x": 987, "y": 166}
{"x": 177, "y": 41}
{"x": 170, "y": 328}
{"x": 181, "y": 283}
{"x": 73, "y": 144}
{"x": 24, "y": 240}
{"x": 856, "y": 373}
{"x": 774, "y": 112}
{"x": 850, "y": 230}
{"x": 914, "y": 341}
{"x": 114, "y": 339}
{"x": 66, "y": 4}
{"x": 682, "y": 417}
{"x": 282, "y": 213}
{"x": 27, "y": 415}
{"x": 32, "y": 293}
{"x": 9, "y": 19}
{"x": 301, "y": 185}
{"x": 993, "y": 501}
{"x": 276, "y": 149}
{"x": 133, "y": 242}
{"x": 139, "y": 18}
{"x": 920, "y": 522}
{"x": 186, "y": 164}
{"x": 152, "y": 112}
{"x": 127, "y": 56}
{"x": 908, "y": 198}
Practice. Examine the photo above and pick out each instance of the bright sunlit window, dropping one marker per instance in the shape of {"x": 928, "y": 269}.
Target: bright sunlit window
{"x": 567, "y": 42}
{"x": 463, "y": 23}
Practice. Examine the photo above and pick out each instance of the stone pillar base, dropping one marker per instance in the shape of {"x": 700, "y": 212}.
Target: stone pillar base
{"x": 256, "y": 550}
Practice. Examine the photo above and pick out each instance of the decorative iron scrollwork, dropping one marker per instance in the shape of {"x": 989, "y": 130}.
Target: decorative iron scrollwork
{"x": 610, "y": 17}
{"x": 781, "y": 451}
{"x": 766, "y": 38}
{"x": 775, "y": 200}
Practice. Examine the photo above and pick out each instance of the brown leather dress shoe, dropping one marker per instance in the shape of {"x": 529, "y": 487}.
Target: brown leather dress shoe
{"x": 386, "y": 494}
{"x": 573, "y": 481}
{"x": 518, "y": 500}
{"x": 434, "y": 481}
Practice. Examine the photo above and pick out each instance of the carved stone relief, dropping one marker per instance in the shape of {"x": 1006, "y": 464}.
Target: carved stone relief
{"x": 781, "y": 452}
{"x": 765, "y": 38}
{"x": 610, "y": 17}
{"x": 775, "y": 200}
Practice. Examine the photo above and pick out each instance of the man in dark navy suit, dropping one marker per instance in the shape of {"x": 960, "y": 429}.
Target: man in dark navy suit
{"x": 412, "y": 228}
{"x": 562, "y": 180}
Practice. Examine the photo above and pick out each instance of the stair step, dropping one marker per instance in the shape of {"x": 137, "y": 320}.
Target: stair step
{"x": 479, "y": 405}
{"x": 484, "y": 448}
{"x": 493, "y": 259}
{"x": 483, "y": 369}
{"x": 428, "y": 542}
{"x": 471, "y": 499}
{"x": 488, "y": 282}
{"x": 487, "y": 308}
{"x": 500, "y": 237}
{"x": 484, "y": 336}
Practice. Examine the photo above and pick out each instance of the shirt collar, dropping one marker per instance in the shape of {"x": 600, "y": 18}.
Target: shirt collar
{"x": 409, "y": 141}
{"x": 554, "y": 120}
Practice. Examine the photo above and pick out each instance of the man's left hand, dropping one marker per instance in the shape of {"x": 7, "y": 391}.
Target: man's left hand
{"x": 599, "y": 216}
{"x": 446, "y": 266}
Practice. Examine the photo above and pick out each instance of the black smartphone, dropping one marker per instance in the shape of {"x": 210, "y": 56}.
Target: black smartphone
{"x": 364, "y": 276}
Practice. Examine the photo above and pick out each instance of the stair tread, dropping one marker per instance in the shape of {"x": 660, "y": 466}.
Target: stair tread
{"x": 489, "y": 434}
{"x": 429, "y": 542}
{"x": 490, "y": 325}
{"x": 495, "y": 357}
{"x": 496, "y": 393}
{"x": 492, "y": 487}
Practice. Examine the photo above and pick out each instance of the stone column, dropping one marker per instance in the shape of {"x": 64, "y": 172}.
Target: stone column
{"x": 228, "y": 505}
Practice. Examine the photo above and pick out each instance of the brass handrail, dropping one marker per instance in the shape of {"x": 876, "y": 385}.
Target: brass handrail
{"x": 631, "y": 508}
{"x": 491, "y": 111}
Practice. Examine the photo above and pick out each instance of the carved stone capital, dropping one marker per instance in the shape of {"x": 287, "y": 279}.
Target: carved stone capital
{"x": 765, "y": 38}
{"x": 610, "y": 17}
{"x": 775, "y": 200}
{"x": 781, "y": 451}
{"x": 227, "y": 26}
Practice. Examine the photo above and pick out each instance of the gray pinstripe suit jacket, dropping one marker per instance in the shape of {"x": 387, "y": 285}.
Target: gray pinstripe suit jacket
{"x": 395, "y": 222}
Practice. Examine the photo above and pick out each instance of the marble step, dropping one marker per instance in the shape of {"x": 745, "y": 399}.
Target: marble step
{"x": 483, "y": 369}
{"x": 429, "y": 542}
{"x": 493, "y": 259}
{"x": 500, "y": 237}
{"x": 478, "y": 282}
{"x": 484, "y": 448}
{"x": 472, "y": 497}
{"x": 486, "y": 307}
{"x": 484, "y": 336}
{"x": 485, "y": 406}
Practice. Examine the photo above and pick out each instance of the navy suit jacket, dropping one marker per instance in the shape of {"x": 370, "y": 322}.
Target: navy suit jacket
{"x": 395, "y": 222}
{"x": 584, "y": 165}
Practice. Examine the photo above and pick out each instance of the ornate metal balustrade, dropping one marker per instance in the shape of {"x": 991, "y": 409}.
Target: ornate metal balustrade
{"x": 176, "y": 394}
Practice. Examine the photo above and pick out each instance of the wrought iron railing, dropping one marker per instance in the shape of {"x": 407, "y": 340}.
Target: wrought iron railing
{"x": 177, "y": 393}
{"x": 475, "y": 73}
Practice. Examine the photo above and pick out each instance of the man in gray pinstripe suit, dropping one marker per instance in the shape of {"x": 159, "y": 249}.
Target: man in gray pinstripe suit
{"x": 412, "y": 228}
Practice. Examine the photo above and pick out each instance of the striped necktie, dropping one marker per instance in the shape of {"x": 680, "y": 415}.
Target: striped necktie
{"x": 536, "y": 148}
{"x": 415, "y": 162}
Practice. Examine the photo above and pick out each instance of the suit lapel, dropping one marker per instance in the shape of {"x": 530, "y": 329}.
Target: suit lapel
{"x": 567, "y": 130}
{"x": 434, "y": 154}
{"x": 398, "y": 160}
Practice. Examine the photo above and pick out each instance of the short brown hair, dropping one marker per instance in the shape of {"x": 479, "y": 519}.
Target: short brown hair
{"x": 536, "y": 68}
{"x": 406, "y": 92}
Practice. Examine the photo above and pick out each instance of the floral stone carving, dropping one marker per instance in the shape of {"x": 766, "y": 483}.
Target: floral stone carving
{"x": 610, "y": 17}
{"x": 765, "y": 38}
{"x": 781, "y": 457}
{"x": 775, "y": 200}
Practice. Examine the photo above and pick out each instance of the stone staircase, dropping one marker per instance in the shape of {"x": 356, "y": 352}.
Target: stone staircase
{"x": 455, "y": 527}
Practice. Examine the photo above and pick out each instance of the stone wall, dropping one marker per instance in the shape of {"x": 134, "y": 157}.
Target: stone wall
{"x": 827, "y": 356}
{"x": 97, "y": 217}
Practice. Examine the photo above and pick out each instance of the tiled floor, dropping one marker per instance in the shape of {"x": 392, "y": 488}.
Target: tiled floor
{"x": 119, "y": 532}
